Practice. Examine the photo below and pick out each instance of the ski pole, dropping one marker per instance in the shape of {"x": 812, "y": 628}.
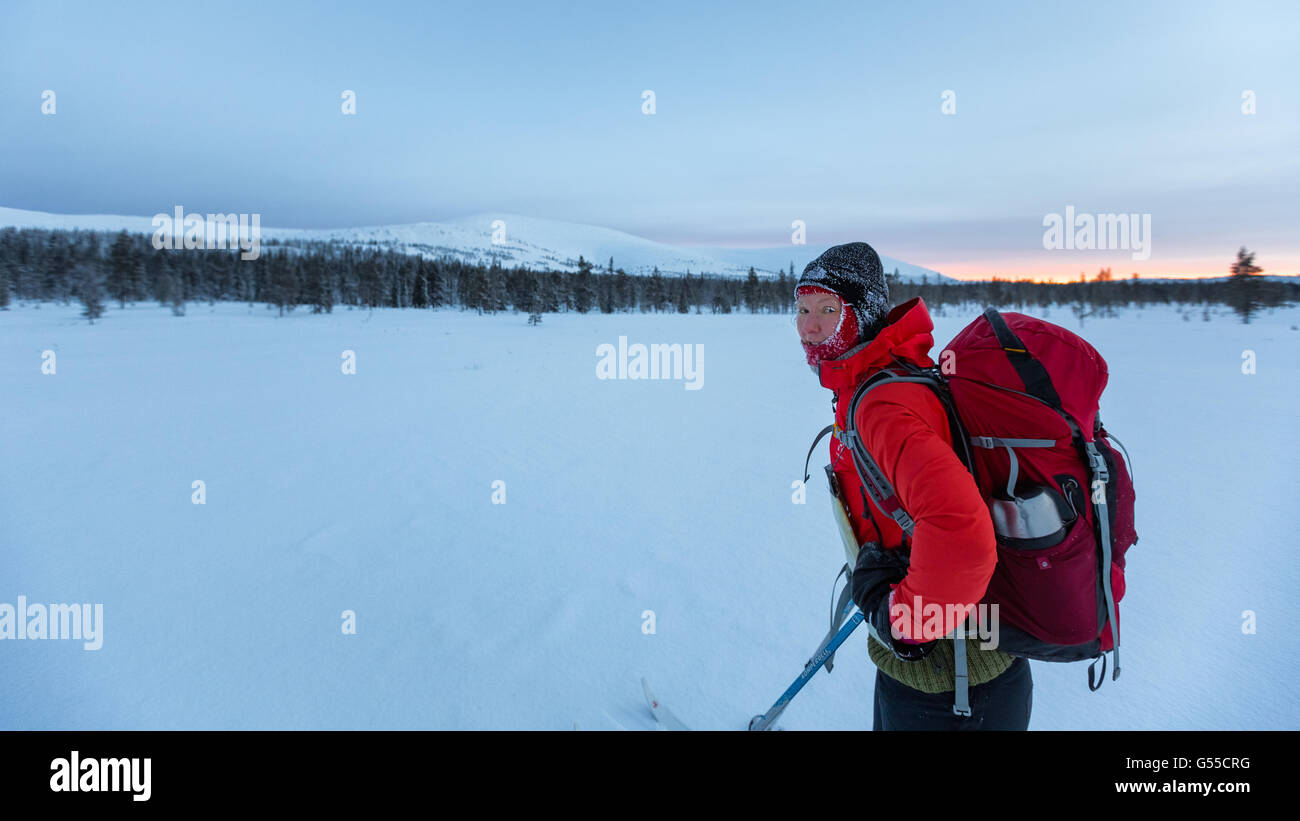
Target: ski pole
{"x": 764, "y": 721}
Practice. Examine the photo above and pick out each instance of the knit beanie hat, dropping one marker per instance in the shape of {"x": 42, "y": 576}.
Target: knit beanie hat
{"x": 852, "y": 272}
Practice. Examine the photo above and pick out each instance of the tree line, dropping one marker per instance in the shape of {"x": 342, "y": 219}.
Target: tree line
{"x": 95, "y": 267}
{"x": 1243, "y": 291}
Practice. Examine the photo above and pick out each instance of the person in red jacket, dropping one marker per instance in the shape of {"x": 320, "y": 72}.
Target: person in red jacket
{"x": 849, "y": 333}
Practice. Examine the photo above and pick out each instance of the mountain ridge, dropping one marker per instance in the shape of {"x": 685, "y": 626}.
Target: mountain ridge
{"x": 523, "y": 240}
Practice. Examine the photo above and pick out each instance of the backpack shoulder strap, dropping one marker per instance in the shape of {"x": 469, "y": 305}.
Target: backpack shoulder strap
{"x": 886, "y": 498}
{"x": 873, "y": 478}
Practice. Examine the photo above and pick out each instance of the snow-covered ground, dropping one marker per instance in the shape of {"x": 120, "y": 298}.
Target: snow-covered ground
{"x": 373, "y": 492}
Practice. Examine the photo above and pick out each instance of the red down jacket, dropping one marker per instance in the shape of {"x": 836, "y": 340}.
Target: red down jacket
{"x": 904, "y": 427}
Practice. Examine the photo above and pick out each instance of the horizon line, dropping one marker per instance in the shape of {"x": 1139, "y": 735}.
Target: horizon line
{"x": 1013, "y": 276}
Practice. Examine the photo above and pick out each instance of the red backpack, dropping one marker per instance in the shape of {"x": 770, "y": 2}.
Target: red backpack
{"x": 1022, "y": 399}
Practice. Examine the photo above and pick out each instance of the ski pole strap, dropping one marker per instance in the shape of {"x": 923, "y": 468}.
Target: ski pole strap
{"x": 1011, "y": 445}
{"x": 764, "y": 721}
{"x": 839, "y": 612}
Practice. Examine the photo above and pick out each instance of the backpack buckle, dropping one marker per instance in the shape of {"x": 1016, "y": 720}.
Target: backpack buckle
{"x": 1097, "y": 463}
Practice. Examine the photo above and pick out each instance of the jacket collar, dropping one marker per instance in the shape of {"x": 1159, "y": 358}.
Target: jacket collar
{"x": 906, "y": 335}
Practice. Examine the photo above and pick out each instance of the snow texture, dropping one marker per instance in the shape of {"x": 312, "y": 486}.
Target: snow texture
{"x": 373, "y": 493}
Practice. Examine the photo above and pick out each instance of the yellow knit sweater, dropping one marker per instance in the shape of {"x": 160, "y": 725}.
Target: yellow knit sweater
{"x": 936, "y": 672}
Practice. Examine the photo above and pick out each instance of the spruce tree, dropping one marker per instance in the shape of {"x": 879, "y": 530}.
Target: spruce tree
{"x": 1243, "y": 285}
{"x": 606, "y": 290}
{"x": 369, "y": 284}
{"x": 420, "y": 293}
{"x": 684, "y": 294}
{"x": 89, "y": 291}
{"x": 471, "y": 287}
{"x": 494, "y": 288}
{"x": 6, "y": 269}
{"x": 1245, "y": 265}
{"x": 552, "y": 292}
{"x": 284, "y": 283}
{"x": 533, "y": 298}
{"x": 319, "y": 284}
{"x": 623, "y": 296}
{"x": 121, "y": 271}
{"x": 655, "y": 294}
{"x": 177, "y": 297}
{"x": 751, "y": 290}
{"x": 583, "y": 293}
{"x": 57, "y": 263}
{"x": 164, "y": 289}
{"x": 436, "y": 283}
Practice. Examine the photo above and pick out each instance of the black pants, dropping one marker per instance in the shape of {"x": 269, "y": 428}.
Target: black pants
{"x": 1001, "y": 704}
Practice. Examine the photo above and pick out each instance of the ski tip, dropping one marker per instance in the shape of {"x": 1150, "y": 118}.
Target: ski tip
{"x": 664, "y": 719}
{"x": 650, "y": 699}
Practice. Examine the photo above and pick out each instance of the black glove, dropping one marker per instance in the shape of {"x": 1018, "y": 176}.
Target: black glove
{"x": 901, "y": 649}
{"x": 875, "y": 571}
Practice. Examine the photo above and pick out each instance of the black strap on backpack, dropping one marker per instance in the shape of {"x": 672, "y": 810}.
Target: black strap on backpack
{"x": 1037, "y": 381}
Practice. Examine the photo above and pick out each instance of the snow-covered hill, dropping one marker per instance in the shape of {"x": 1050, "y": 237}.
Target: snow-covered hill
{"x": 531, "y": 241}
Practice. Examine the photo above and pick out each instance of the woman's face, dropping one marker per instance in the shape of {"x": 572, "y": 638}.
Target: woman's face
{"x": 817, "y": 317}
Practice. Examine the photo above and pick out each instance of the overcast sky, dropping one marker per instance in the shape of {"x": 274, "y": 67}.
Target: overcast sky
{"x": 764, "y": 114}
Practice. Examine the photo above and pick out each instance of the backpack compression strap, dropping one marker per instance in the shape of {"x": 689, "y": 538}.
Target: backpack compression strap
{"x": 1037, "y": 381}
{"x": 1099, "y": 473}
{"x": 1011, "y": 445}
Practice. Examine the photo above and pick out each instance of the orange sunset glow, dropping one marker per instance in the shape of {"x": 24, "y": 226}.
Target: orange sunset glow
{"x": 1049, "y": 268}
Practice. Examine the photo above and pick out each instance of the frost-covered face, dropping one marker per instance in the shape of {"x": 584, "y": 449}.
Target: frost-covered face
{"x": 827, "y": 326}
{"x": 818, "y": 317}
